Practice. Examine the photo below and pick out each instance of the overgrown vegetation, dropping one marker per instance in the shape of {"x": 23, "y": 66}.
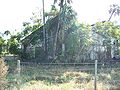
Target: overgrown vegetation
{"x": 63, "y": 77}
{"x": 3, "y": 73}
{"x": 62, "y": 39}
{"x": 67, "y": 39}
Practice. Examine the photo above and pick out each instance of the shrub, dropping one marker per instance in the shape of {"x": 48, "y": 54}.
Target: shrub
{"x": 3, "y": 73}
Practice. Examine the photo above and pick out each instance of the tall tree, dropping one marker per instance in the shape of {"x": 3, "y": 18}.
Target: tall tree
{"x": 78, "y": 42}
{"x": 44, "y": 32}
{"x": 61, "y": 4}
{"x": 114, "y": 10}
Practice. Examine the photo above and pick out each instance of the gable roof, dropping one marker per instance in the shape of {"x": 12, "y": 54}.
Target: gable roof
{"x": 38, "y": 34}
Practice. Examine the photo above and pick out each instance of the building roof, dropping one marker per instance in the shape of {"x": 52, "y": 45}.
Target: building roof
{"x": 38, "y": 34}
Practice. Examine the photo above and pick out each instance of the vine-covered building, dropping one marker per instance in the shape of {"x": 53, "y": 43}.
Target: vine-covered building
{"x": 78, "y": 47}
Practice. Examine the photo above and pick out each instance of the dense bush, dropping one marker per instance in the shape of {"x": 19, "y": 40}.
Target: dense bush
{"x": 3, "y": 73}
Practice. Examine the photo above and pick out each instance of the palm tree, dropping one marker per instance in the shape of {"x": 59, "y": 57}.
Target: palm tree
{"x": 61, "y": 3}
{"x": 114, "y": 10}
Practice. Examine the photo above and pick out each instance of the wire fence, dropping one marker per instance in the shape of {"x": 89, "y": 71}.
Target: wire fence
{"x": 107, "y": 73}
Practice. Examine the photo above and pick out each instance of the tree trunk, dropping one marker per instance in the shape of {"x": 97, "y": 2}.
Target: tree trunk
{"x": 111, "y": 16}
{"x": 108, "y": 52}
{"x": 56, "y": 36}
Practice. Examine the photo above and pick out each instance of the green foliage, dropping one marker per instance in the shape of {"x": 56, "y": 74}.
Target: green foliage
{"x": 115, "y": 33}
{"x": 27, "y": 28}
{"x": 78, "y": 41}
{"x": 107, "y": 30}
{"x": 63, "y": 28}
{"x": 33, "y": 25}
{"x": 74, "y": 35}
{"x": 2, "y": 43}
{"x": 13, "y": 45}
{"x": 53, "y": 12}
{"x": 67, "y": 17}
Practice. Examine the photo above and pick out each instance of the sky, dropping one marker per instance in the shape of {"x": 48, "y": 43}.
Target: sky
{"x": 14, "y": 12}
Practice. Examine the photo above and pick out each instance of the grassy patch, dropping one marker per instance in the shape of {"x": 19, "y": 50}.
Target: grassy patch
{"x": 45, "y": 77}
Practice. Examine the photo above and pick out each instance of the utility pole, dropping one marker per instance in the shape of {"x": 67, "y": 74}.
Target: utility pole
{"x": 44, "y": 31}
{"x": 44, "y": 36}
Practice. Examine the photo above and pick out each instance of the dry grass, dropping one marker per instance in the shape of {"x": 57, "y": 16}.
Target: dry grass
{"x": 65, "y": 78}
{"x": 38, "y": 85}
{"x": 79, "y": 82}
{"x": 3, "y": 73}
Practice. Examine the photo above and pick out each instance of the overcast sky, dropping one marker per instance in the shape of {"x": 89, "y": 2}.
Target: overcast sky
{"x": 14, "y": 12}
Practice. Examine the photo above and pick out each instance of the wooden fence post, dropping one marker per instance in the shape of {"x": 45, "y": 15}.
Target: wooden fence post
{"x": 18, "y": 67}
{"x": 18, "y": 74}
{"x": 95, "y": 79}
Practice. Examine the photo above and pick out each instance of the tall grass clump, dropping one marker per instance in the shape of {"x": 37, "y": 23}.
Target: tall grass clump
{"x": 3, "y": 73}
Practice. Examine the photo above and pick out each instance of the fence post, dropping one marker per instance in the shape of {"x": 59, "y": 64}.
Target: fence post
{"x": 18, "y": 67}
{"x": 95, "y": 79}
{"x": 18, "y": 74}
